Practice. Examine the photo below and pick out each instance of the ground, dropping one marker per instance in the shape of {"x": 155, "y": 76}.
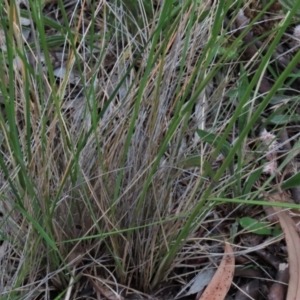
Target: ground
{"x": 149, "y": 149}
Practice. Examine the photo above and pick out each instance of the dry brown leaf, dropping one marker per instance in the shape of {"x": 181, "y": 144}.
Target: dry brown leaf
{"x": 248, "y": 291}
{"x": 293, "y": 245}
{"x": 221, "y": 282}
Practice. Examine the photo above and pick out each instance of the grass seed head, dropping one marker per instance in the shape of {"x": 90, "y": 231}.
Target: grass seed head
{"x": 297, "y": 32}
{"x": 267, "y": 138}
{"x": 270, "y": 167}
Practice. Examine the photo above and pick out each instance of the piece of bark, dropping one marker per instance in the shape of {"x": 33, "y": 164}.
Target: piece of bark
{"x": 248, "y": 291}
{"x": 278, "y": 289}
{"x": 269, "y": 258}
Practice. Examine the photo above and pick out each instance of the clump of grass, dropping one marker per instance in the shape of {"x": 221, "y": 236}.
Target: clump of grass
{"x": 121, "y": 129}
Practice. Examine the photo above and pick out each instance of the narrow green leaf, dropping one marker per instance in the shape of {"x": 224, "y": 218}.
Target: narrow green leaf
{"x": 283, "y": 119}
{"x": 282, "y": 99}
{"x": 254, "y": 226}
{"x": 214, "y": 140}
{"x": 190, "y": 162}
{"x": 242, "y": 87}
{"x": 277, "y": 230}
{"x": 203, "y": 15}
{"x": 251, "y": 180}
{"x": 290, "y": 5}
{"x": 39, "y": 229}
{"x": 292, "y": 182}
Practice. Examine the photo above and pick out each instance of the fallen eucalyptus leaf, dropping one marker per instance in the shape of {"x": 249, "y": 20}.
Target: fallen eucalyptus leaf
{"x": 221, "y": 281}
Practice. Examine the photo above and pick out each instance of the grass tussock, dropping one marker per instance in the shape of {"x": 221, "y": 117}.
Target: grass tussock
{"x": 123, "y": 126}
